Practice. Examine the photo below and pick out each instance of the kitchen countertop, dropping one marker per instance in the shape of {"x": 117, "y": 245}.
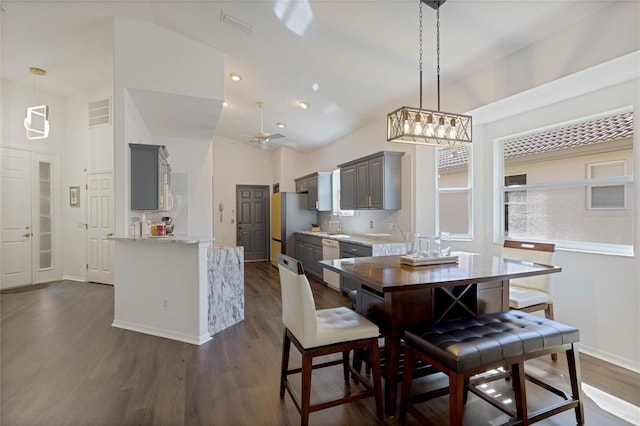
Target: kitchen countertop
{"x": 366, "y": 240}
{"x": 167, "y": 239}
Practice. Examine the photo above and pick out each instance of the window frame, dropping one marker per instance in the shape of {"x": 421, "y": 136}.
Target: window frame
{"x": 469, "y": 236}
{"x": 589, "y": 197}
{"x": 500, "y": 189}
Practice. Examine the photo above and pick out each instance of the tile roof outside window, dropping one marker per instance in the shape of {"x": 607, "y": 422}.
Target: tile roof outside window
{"x": 605, "y": 129}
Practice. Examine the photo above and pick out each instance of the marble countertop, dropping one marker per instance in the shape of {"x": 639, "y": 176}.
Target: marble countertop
{"x": 366, "y": 240}
{"x": 167, "y": 239}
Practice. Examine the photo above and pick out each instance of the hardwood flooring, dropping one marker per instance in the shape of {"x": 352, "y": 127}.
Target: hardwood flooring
{"x": 63, "y": 364}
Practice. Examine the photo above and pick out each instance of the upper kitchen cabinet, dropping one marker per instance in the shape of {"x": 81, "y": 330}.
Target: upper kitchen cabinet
{"x": 318, "y": 186}
{"x": 150, "y": 177}
{"x": 372, "y": 182}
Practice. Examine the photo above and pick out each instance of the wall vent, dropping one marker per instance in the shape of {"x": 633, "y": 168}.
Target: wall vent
{"x": 100, "y": 112}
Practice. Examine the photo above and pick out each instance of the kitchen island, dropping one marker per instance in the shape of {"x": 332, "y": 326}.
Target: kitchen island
{"x": 181, "y": 288}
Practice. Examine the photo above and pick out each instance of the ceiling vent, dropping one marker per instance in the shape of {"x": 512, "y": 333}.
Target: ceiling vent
{"x": 236, "y": 23}
{"x": 100, "y": 112}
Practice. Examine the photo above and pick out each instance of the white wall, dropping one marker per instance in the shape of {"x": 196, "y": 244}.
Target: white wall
{"x": 85, "y": 150}
{"x": 235, "y": 164}
{"x": 14, "y": 101}
{"x": 599, "y": 294}
{"x": 591, "y": 287}
{"x": 139, "y": 63}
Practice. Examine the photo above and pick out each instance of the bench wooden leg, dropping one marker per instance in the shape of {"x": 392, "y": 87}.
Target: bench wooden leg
{"x": 573, "y": 362}
{"x": 520, "y": 394}
{"x": 456, "y": 398}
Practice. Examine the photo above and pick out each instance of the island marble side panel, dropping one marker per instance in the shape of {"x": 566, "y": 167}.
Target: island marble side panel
{"x": 225, "y": 271}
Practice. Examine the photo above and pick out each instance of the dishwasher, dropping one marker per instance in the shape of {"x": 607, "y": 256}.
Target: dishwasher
{"x": 330, "y": 251}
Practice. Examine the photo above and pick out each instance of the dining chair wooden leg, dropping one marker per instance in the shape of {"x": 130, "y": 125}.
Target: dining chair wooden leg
{"x": 374, "y": 366}
{"x": 286, "y": 347}
{"x": 307, "y": 368}
{"x": 548, "y": 314}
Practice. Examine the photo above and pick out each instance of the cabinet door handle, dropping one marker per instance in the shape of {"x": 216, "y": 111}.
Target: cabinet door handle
{"x": 354, "y": 250}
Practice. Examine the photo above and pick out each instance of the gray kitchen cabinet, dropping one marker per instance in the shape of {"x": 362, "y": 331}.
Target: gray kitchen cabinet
{"x": 309, "y": 252}
{"x": 318, "y": 186}
{"x": 348, "y": 187}
{"x": 349, "y": 250}
{"x": 150, "y": 177}
{"x": 372, "y": 182}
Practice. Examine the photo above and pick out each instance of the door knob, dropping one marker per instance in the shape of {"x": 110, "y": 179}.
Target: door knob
{"x": 27, "y": 235}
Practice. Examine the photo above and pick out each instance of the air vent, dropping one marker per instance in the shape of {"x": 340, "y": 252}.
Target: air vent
{"x": 100, "y": 112}
{"x": 235, "y": 22}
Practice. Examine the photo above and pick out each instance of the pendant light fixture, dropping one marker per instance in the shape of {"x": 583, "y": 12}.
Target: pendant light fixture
{"x": 37, "y": 117}
{"x": 426, "y": 127}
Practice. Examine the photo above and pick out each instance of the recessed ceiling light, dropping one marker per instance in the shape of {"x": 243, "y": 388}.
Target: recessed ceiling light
{"x": 303, "y": 104}
{"x": 235, "y": 77}
{"x": 281, "y": 125}
{"x": 315, "y": 87}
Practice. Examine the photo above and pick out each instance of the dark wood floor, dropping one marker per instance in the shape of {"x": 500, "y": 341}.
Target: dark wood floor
{"x": 63, "y": 364}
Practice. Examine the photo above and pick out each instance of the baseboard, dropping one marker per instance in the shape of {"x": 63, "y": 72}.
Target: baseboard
{"x": 610, "y": 358}
{"x": 167, "y": 334}
{"x": 73, "y": 278}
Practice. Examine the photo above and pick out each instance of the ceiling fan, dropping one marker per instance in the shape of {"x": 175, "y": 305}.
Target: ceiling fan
{"x": 262, "y": 138}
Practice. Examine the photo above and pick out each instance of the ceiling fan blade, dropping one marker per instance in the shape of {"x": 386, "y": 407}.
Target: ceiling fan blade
{"x": 275, "y": 136}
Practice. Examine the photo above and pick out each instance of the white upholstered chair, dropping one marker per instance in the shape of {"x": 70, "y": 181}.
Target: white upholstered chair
{"x": 531, "y": 294}
{"x": 322, "y": 332}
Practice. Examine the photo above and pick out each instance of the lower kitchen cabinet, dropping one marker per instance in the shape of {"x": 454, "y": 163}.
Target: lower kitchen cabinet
{"x": 309, "y": 252}
{"x": 352, "y": 250}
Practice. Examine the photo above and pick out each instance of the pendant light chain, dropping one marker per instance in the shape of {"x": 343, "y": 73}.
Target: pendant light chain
{"x": 420, "y": 50}
{"x": 438, "y": 51}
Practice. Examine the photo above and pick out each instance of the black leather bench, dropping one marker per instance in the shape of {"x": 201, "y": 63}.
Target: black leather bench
{"x": 466, "y": 347}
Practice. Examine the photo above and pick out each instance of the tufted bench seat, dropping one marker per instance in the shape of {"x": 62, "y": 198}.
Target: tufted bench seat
{"x": 466, "y": 347}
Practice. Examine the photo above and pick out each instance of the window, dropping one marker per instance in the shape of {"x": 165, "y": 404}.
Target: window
{"x": 454, "y": 191}
{"x": 570, "y": 185}
{"x": 606, "y": 196}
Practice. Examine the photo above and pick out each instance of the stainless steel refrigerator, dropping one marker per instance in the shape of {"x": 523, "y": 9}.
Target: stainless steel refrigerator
{"x": 288, "y": 214}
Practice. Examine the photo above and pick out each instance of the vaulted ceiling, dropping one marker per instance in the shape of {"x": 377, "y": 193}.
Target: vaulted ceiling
{"x": 353, "y": 61}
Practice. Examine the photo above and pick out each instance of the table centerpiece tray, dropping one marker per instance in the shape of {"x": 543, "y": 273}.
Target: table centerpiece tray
{"x": 427, "y": 260}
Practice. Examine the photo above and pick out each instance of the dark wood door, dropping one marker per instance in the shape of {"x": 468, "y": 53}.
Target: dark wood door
{"x": 253, "y": 221}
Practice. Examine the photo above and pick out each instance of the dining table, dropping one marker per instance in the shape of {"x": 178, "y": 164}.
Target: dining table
{"x": 397, "y": 296}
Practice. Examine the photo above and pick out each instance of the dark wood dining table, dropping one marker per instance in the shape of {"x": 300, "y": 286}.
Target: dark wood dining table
{"x": 397, "y": 296}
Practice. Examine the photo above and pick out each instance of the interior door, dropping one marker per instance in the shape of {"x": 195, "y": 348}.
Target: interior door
{"x": 253, "y": 221}
{"x": 16, "y": 217}
{"x": 100, "y": 226}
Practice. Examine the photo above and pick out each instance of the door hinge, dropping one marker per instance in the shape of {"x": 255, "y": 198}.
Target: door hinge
{"x": 86, "y": 186}
{"x": 86, "y": 266}
{"x": 86, "y": 226}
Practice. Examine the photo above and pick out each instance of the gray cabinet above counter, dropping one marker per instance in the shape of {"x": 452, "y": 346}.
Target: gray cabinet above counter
{"x": 318, "y": 186}
{"x": 372, "y": 182}
{"x": 150, "y": 177}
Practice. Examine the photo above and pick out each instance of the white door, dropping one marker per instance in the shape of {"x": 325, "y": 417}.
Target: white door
{"x": 100, "y": 218}
{"x": 16, "y": 217}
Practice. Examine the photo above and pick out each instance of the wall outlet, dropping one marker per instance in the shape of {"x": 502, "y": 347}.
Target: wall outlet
{"x": 370, "y": 224}
{"x": 165, "y": 304}
{"x": 391, "y": 225}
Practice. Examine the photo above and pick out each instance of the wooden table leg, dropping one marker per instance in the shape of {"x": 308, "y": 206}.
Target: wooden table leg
{"x": 392, "y": 364}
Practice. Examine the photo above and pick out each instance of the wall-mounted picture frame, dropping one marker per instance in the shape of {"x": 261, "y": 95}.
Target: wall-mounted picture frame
{"x": 74, "y": 196}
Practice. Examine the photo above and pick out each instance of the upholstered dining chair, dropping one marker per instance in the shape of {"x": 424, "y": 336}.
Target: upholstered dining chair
{"x": 322, "y": 332}
{"x": 531, "y": 294}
